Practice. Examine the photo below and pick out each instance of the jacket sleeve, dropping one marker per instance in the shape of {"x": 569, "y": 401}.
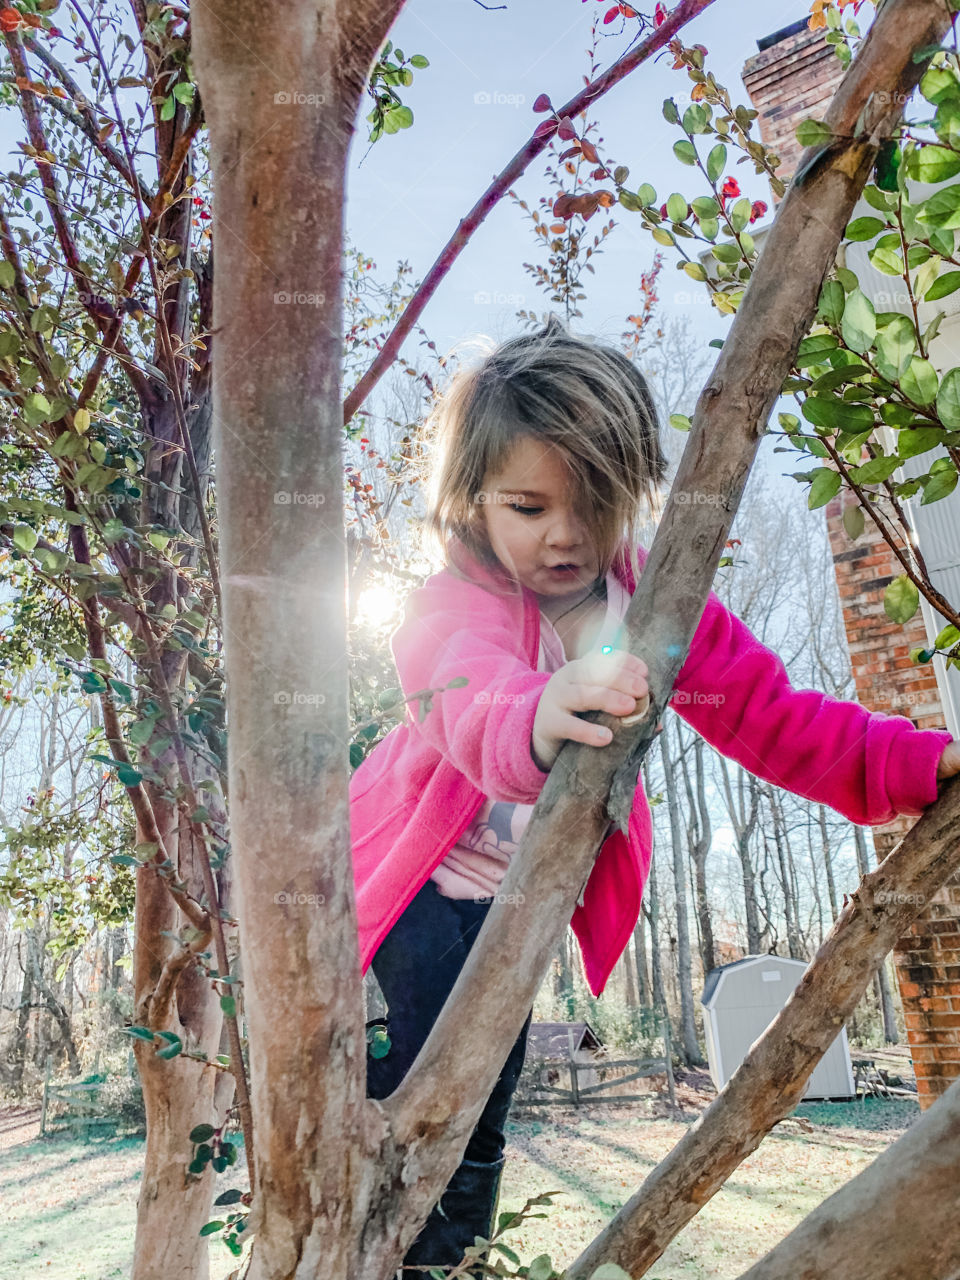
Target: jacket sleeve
{"x": 484, "y": 727}
{"x": 736, "y": 693}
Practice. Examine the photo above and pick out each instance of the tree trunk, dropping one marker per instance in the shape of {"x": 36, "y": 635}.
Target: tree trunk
{"x": 178, "y": 1094}
{"x": 688, "y": 1028}
{"x": 882, "y": 979}
{"x": 854, "y": 1233}
{"x": 827, "y": 861}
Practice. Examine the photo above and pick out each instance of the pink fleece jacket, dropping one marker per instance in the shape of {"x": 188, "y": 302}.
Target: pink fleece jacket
{"x": 416, "y": 792}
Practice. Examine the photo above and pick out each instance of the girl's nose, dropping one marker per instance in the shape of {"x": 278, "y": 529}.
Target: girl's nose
{"x": 565, "y": 531}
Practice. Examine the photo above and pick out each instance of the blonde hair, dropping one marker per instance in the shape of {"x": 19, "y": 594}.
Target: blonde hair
{"x": 587, "y": 399}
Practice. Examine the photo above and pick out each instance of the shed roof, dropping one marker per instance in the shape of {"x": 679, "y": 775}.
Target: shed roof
{"x": 551, "y": 1039}
{"x": 714, "y": 976}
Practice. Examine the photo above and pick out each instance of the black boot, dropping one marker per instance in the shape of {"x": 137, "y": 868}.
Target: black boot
{"x": 466, "y": 1210}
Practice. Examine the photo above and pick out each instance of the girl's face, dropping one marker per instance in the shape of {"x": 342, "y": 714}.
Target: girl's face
{"x": 532, "y": 525}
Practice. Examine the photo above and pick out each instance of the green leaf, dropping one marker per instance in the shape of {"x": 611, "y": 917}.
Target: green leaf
{"x": 169, "y": 108}
{"x": 676, "y": 207}
{"x": 609, "y": 1271}
{"x": 233, "y": 1196}
{"x": 859, "y": 325}
{"x": 911, "y": 442}
{"x": 170, "y": 1050}
{"x": 646, "y": 194}
{"x": 830, "y": 304}
{"x": 937, "y": 83}
{"x": 948, "y": 399}
{"x": 901, "y": 600}
{"x": 202, "y": 1133}
{"x": 887, "y": 165}
{"x": 853, "y": 521}
{"x": 229, "y": 1006}
{"x": 826, "y": 485}
{"x": 419, "y": 61}
{"x": 942, "y": 209}
{"x": 876, "y": 470}
{"x": 930, "y": 163}
{"x": 831, "y": 412}
{"x": 948, "y": 283}
{"x": 814, "y": 350}
{"x": 939, "y": 485}
{"x": 695, "y": 270}
{"x": 24, "y": 538}
{"x": 864, "y": 228}
{"x": 685, "y": 151}
{"x": 740, "y": 214}
{"x": 209, "y": 1228}
{"x": 919, "y": 381}
{"x": 947, "y": 638}
{"x": 887, "y": 260}
{"x": 670, "y": 112}
{"x": 896, "y": 344}
{"x": 813, "y": 133}
{"x": 716, "y": 162}
{"x": 680, "y": 422}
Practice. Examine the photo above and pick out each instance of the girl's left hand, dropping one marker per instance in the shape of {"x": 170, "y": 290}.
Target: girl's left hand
{"x": 949, "y": 761}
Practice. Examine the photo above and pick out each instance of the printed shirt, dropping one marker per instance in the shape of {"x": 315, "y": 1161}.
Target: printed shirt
{"x": 477, "y": 863}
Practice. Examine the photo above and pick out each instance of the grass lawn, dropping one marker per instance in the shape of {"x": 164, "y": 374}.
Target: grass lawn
{"x": 70, "y": 1206}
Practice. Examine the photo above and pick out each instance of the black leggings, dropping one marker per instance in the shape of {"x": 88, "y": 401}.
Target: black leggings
{"x": 416, "y": 966}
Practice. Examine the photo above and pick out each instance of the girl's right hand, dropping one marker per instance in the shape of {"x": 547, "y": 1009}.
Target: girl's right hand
{"x": 615, "y": 682}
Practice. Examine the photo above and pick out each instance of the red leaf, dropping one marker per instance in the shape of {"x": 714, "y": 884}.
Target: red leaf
{"x": 659, "y": 15}
{"x": 612, "y": 13}
{"x": 542, "y": 103}
{"x": 589, "y": 151}
{"x": 544, "y": 129}
{"x": 565, "y": 129}
{"x": 9, "y": 19}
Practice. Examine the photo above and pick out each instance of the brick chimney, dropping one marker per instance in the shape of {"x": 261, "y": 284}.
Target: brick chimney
{"x": 791, "y": 78}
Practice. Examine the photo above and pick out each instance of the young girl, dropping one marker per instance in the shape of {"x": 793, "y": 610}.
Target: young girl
{"x": 546, "y": 454}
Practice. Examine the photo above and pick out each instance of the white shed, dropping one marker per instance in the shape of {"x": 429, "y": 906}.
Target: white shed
{"x": 741, "y": 999}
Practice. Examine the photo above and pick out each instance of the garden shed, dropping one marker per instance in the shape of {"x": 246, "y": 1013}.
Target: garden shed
{"x": 741, "y": 999}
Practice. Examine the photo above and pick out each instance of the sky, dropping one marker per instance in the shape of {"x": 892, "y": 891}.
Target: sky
{"x": 473, "y": 110}
{"x": 407, "y": 193}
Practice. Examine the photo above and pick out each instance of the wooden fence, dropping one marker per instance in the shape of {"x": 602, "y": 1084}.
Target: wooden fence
{"x": 539, "y": 1075}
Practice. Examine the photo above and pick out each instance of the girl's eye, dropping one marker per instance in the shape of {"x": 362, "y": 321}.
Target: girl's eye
{"x": 525, "y": 511}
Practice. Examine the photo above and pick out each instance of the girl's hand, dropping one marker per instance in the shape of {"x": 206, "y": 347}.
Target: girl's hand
{"x": 615, "y": 682}
{"x": 949, "y": 761}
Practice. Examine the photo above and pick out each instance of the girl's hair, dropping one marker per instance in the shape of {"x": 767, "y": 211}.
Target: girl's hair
{"x": 589, "y": 400}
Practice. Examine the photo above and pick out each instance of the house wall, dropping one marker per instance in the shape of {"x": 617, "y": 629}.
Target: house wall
{"x": 788, "y": 82}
